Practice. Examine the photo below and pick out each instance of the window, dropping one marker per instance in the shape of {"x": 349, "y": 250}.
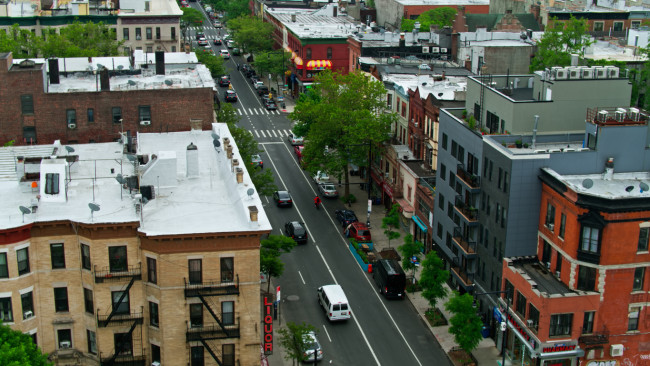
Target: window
{"x": 505, "y": 182}
{"x": 329, "y": 53}
{"x": 57, "y": 255}
{"x": 509, "y": 289}
{"x": 71, "y": 116}
{"x": 533, "y": 314}
{"x": 500, "y": 178}
{"x": 151, "y": 270}
{"x": 196, "y": 356}
{"x": 635, "y": 24}
{"x": 598, "y": 26}
{"x": 227, "y": 269}
{"x": 228, "y": 312}
{"x": 560, "y": 325}
{"x": 546, "y": 252}
{"x": 120, "y": 302}
{"x": 589, "y": 239}
{"x": 22, "y": 256}
{"x": 504, "y": 215}
{"x": 443, "y": 171}
{"x": 153, "y": 314}
{"x": 34, "y": 338}
{"x": 174, "y": 33}
{"x": 444, "y": 141}
{"x": 149, "y": 49}
{"x": 117, "y": 259}
{"x": 123, "y": 343}
{"x": 643, "y": 239}
{"x": 92, "y": 341}
{"x": 490, "y": 170}
{"x": 633, "y": 318}
{"x": 308, "y": 53}
{"x": 88, "y": 301}
{"x": 450, "y": 210}
{"x": 639, "y": 274}
{"x": 454, "y": 148}
{"x": 588, "y": 322}
{"x": 586, "y": 278}
{"x": 618, "y": 26}
{"x": 461, "y": 154}
{"x": 521, "y": 305}
{"x": 196, "y": 272}
{"x": 65, "y": 338}
{"x": 441, "y": 201}
{"x": 562, "y": 225}
{"x": 52, "y": 183}
{"x": 558, "y": 262}
{"x": 452, "y": 180}
{"x": 6, "y": 313}
{"x": 196, "y": 315}
{"x": 157, "y": 32}
{"x": 228, "y": 352}
{"x": 85, "y": 256}
{"x": 61, "y": 299}
{"x": 91, "y": 115}
{"x": 138, "y": 34}
{"x": 144, "y": 112}
{"x": 550, "y": 216}
{"x": 4, "y": 269}
{"x": 27, "y": 302}
{"x": 117, "y": 114}
{"x": 125, "y": 34}
{"x": 27, "y": 104}
{"x": 439, "y": 232}
{"x": 155, "y": 353}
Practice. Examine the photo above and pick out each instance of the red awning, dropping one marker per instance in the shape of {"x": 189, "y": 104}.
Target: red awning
{"x": 319, "y": 65}
{"x": 407, "y": 209}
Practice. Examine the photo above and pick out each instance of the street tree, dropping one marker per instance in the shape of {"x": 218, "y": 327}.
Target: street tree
{"x": 465, "y": 323}
{"x": 640, "y": 80}
{"x": 213, "y": 63}
{"x": 20, "y": 42}
{"x": 391, "y": 222}
{"x": 18, "y": 349}
{"x": 237, "y": 8}
{"x": 270, "y": 250}
{"x": 293, "y": 338}
{"x": 433, "y": 278}
{"x": 252, "y": 34}
{"x": 273, "y": 63}
{"x": 411, "y": 252}
{"x": 441, "y": 17}
{"x": 559, "y": 41}
{"x": 192, "y": 17}
{"x": 349, "y": 119}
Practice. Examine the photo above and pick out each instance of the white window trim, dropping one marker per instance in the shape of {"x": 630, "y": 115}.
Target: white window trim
{"x": 194, "y": 257}
{"x": 26, "y": 290}
{"x": 21, "y": 246}
{"x": 5, "y": 294}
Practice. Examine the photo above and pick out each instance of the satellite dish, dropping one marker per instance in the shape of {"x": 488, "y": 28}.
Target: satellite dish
{"x": 216, "y": 143}
{"x": 250, "y": 192}
{"x": 629, "y": 188}
{"x": 587, "y": 183}
{"x": 100, "y": 66}
{"x": 120, "y": 179}
{"x": 131, "y": 157}
{"x": 169, "y": 82}
{"x": 70, "y": 149}
{"x": 644, "y": 187}
{"x": 120, "y": 67}
{"x": 93, "y": 207}
{"x": 131, "y": 82}
{"x": 215, "y": 136}
{"x": 24, "y": 210}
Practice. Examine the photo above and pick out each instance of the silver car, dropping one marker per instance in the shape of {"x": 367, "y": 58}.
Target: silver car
{"x": 296, "y": 140}
{"x": 328, "y": 190}
{"x": 312, "y": 346}
{"x": 256, "y": 161}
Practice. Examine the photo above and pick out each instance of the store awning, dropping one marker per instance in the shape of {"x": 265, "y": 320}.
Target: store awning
{"x": 419, "y": 223}
{"x": 298, "y": 62}
{"x": 319, "y": 64}
{"x": 407, "y": 209}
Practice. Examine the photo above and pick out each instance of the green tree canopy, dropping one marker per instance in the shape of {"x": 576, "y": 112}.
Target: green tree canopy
{"x": 273, "y": 63}
{"x": 213, "y": 63}
{"x": 17, "y": 349}
{"x": 433, "y": 278}
{"x": 391, "y": 222}
{"x": 342, "y": 121}
{"x": 192, "y": 17}
{"x": 270, "y": 251}
{"x": 560, "y": 41}
{"x": 640, "y": 80}
{"x": 410, "y": 249}
{"x": 465, "y": 323}
{"x": 293, "y": 340}
{"x": 252, "y": 34}
{"x": 443, "y": 16}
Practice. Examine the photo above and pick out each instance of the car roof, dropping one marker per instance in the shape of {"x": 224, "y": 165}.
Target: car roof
{"x": 283, "y": 193}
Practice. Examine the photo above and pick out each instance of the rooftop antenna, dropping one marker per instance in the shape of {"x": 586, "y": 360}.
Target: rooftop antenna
{"x": 250, "y": 193}
{"x": 25, "y": 210}
{"x": 69, "y": 149}
{"x": 93, "y": 207}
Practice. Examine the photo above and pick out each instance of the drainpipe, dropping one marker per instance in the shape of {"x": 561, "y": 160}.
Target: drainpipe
{"x": 535, "y": 131}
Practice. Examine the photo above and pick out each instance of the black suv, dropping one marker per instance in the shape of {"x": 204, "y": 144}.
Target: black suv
{"x": 296, "y": 230}
{"x": 224, "y": 81}
{"x": 262, "y": 89}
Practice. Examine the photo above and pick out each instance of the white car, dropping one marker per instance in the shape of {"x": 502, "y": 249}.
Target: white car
{"x": 312, "y": 347}
{"x": 321, "y": 177}
{"x": 424, "y": 67}
{"x": 225, "y": 54}
{"x": 258, "y": 84}
{"x": 296, "y": 140}
{"x": 328, "y": 190}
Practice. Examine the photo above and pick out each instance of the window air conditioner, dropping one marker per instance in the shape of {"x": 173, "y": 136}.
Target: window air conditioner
{"x": 64, "y": 344}
{"x": 72, "y": 126}
{"x": 443, "y": 50}
{"x": 425, "y": 49}
{"x": 145, "y": 123}
{"x": 138, "y": 38}
{"x": 155, "y": 363}
{"x": 28, "y": 314}
{"x": 616, "y": 350}
{"x": 434, "y": 49}
{"x": 551, "y": 226}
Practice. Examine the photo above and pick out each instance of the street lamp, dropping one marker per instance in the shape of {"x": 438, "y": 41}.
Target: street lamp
{"x": 504, "y": 340}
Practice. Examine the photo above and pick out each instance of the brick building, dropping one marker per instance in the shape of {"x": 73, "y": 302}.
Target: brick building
{"x": 130, "y": 259}
{"x": 82, "y": 100}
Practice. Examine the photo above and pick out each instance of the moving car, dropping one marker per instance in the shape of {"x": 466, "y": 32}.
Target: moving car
{"x": 257, "y": 84}
{"x": 296, "y": 230}
{"x": 312, "y": 347}
{"x": 256, "y": 160}
{"x": 204, "y": 43}
{"x": 230, "y": 44}
{"x": 282, "y": 199}
{"x": 236, "y": 51}
{"x": 231, "y": 96}
{"x": 224, "y": 81}
{"x": 217, "y": 24}
{"x": 269, "y": 104}
{"x": 200, "y": 35}
{"x": 295, "y": 140}
{"x": 328, "y": 190}
{"x": 321, "y": 177}
{"x": 346, "y": 217}
{"x": 217, "y": 41}
{"x": 225, "y": 54}
{"x": 334, "y": 303}
{"x": 424, "y": 67}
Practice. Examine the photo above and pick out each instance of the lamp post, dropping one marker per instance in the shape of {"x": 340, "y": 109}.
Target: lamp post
{"x": 503, "y": 341}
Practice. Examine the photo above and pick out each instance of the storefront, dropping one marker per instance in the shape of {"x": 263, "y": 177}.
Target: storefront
{"x": 420, "y": 231}
{"x": 560, "y": 354}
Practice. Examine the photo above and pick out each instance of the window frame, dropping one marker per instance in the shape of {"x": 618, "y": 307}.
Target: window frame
{"x": 125, "y": 33}
{"x": 114, "y": 262}
{"x": 27, "y": 303}
{"x": 644, "y": 235}
{"x": 4, "y": 266}
{"x": 57, "y": 255}
{"x": 26, "y": 266}
{"x": 152, "y": 268}
{"x": 521, "y": 304}
{"x": 6, "y": 310}
{"x": 633, "y": 316}
{"x": 639, "y": 279}
{"x": 92, "y": 341}
{"x": 559, "y": 326}
{"x": 64, "y": 335}
{"x": 228, "y": 354}
{"x": 227, "y": 269}
{"x": 86, "y": 263}
{"x": 144, "y": 113}
{"x": 587, "y": 243}
{"x": 588, "y": 322}
{"x": 154, "y": 314}
{"x": 123, "y": 307}
{"x": 586, "y": 278}
{"x": 116, "y": 113}
{"x": 71, "y": 116}
{"x": 61, "y": 300}
{"x": 228, "y": 317}
{"x": 27, "y": 104}
{"x": 196, "y": 315}
{"x": 89, "y": 301}
{"x": 195, "y": 276}
{"x": 599, "y": 26}
{"x": 52, "y": 183}
{"x": 90, "y": 115}
{"x": 562, "y": 226}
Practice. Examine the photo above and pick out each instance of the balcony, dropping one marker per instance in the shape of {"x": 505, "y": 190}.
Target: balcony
{"x": 461, "y": 240}
{"x": 461, "y": 273}
{"x": 124, "y": 360}
{"x": 105, "y": 320}
{"x": 211, "y": 331}
{"x": 596, "y": 338}
{"x": 212, "y": 288}
{"x": 467, "y": 212}
{"x": 105, "y": 274}
{"x": 470, "y": 181}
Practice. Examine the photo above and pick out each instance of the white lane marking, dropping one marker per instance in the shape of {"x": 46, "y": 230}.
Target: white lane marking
{"x": 257, "y": 134}
{"x": 250, "y": 111}
{"x": 303, "y": 280}
{"x": 327, "y": 333}
{"x": 239, "y": 110}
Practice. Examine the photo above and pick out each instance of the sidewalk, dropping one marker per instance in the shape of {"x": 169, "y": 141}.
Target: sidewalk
{"x": 486, "y": 353}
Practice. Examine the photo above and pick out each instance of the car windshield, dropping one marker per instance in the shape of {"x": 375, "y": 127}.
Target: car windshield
{"x": 329, "y": 187}
{"x": 364, "y": 232}
{"x": 283, "y": 194}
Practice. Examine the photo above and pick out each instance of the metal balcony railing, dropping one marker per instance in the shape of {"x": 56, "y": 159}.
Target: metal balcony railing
{"x": 105, "y": 274}
{"x": 212, "y": 288}
{"x": 468, "y": 246}
{"x": 472, "y": 181}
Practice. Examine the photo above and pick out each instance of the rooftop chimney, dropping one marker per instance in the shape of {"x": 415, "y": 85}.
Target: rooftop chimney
{"x": 104, "y": 80}
{"x": 53, "y": 64}
{"x": 240, "y": 175}
{"x": 192, "y": 159}
{"x": 402, "y": 41}
{"x": 609, "y": 169}
{"x": 252, "y": 210}
{"x": 293, "y": 17}
{"x": 160, "y": 63}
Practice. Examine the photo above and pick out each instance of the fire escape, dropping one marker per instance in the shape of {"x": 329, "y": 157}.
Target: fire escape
{"x": 125, "y": 343}
{"x": 224, "y": 326}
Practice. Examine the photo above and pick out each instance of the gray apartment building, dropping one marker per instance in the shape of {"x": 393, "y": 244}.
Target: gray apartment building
{"x": 487, "y": 188}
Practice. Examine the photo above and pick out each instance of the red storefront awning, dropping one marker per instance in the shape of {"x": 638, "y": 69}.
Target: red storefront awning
{"x": 298, "y": 61}
{"x": 319, "y": 65}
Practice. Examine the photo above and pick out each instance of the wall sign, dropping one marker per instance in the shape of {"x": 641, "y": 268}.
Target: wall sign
{"x": 268, "y": 326}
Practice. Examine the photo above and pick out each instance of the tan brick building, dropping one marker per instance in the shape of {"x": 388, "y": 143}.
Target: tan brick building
{"x": 131, "y": 259}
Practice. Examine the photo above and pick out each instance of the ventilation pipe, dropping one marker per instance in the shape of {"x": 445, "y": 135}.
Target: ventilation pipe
{"x": 535, "y": 131}
{"x": 609, "y": 169}
{"x": 53, "y": 64}
{"x": 192, "y": 159}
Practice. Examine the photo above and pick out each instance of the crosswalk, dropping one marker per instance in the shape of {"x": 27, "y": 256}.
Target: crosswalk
{"x": 256, "y": 111}
{"x": 270, "y": 133}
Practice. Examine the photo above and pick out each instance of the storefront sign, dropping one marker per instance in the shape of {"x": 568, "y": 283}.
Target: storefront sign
{"x": 560, "y": 347}
{"x": 603, "y": 363}
{"x": 268, "y": 326}
{"x": 522, "y": 331}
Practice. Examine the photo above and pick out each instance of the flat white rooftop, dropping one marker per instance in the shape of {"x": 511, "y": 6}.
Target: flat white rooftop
{"x": 621, "y": 185}
{"x": 442, "y": 89}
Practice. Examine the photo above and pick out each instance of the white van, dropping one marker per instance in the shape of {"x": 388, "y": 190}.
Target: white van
{"x": 334, "y": 302}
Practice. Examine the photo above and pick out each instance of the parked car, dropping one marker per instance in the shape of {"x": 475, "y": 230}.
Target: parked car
{"x": 217, "y": 41}
{"x": 257, "y": 84}
{"x": 254, "y": 78}
{"x": 230, "y": 44}
{"x": 236, "y": 51}
{"x": 225, "y": 54}
{"x": 224, "y": 80}
{"x": 200, "y": 35}
{"x": 269, "y": 104}
{"x": 217, "y": 24}
{"x": 230, "y": 96}
{"x": 296, "y": 230}
{"x": 424, "y": 67}
{"x": 346, "y": 217}
{"x": 256, "y": 160}
{"x": 295, "y": 140}
{"x": 328, "y": 190}
{"x": 298, "y": 151}
{"x": 358, "y": 231}
{"x": 262, "y": 90}
{"x": 282, "y": 199}
{"x": 312, "y": 346}
{"x": 321, "y": 177}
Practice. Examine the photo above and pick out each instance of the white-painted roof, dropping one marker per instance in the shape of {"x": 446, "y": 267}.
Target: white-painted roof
{"x": 443, "y": 2}
{"x": 212, "y": 202}
{"x": 443, "y": 90}
{"x": 604, "y": 50}
{"x": 615, "y": 188}
{"x": 311, "y": 25}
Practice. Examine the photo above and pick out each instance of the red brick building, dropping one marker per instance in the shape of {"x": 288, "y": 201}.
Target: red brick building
{"x": 583, "y": 298}
{"x": 69, "y": 101}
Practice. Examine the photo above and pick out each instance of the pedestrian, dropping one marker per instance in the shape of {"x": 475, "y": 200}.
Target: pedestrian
{"x": 237, "y": 67}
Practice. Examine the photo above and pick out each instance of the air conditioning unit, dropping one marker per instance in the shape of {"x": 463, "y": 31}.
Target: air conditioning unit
{"x": 587, "y": 73}
{"x": 138, "y": 38}
{"x": 616, "y": 350}
{"x": 443, "y": 50}
{"x": 548, "y": 265}
{"x": 600, "y": 72}
{"x": 603, "y": 115}
{"x": 612, "y": 72}
{"x": 551, "y": 226}
{"x": 620, "y": 114}
{"x": 72, "y": 126}
{"x": 557, "y": 274}
{"x": 574, "y": 73}
{"x": 385, "y": 175}
{"x": 64, "y": 344}
{"x": 435, "y": 49}
{"x": 28, "y": 314}
{"x": 560, "y": 74}
{"x": 425, "y": 49}
{"x": 145, "y": 123}
{"x": 155, "y": 363}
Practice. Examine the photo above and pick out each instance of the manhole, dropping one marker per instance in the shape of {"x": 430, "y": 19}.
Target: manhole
{"x": 293, "y": 298}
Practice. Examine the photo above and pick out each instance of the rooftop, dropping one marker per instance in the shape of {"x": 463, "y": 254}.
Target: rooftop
{"x": 446, "y": 88}
{"x": 187, "y": 196}
{"x": 539, "y": 277}
{"x": 604, "y": 185}
{"x": 315, "y": 24}
{"x": 443, "y": 2}
{"x": 611, "y": 51}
